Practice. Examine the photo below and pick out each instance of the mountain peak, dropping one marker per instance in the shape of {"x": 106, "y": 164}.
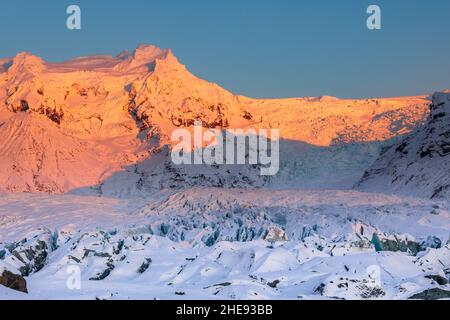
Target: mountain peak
{"x": 150, "y": 57}
{"x": 142, "y": 56}
{"x": 25, "y": 61}
{"x": 147, "y": 52}
{"x": 168, "y": 61}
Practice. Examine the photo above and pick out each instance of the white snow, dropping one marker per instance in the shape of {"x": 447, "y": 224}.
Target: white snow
{"x": 88, "y": 185}
{"x": 325, "y": 253}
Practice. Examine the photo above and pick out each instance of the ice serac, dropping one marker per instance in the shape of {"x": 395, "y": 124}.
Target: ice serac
{"x": 419, "y": 165}
{"x": 228, "y": 244}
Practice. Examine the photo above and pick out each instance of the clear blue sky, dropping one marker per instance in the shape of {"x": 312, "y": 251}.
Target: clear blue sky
{"x": 263, "y": 48}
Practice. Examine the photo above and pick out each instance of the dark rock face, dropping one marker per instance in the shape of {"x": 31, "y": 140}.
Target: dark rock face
{"x": 13, "y": 281}
{"x": 145, "y": 265}
{"x": 105, "y": 273}
{"x": 431, "y": 294}
{"x": 438, "y": 279}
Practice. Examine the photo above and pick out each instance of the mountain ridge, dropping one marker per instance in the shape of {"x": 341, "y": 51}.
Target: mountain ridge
{"x": 130, "y": 104}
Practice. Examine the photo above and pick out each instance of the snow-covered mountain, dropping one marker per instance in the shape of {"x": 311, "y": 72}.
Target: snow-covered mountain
{"x": 87, "y": 185}
{"x": 419, "y": 165}
{"x": 101, "y": 125}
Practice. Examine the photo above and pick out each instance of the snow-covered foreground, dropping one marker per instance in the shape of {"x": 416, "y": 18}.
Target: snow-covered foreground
{"x": 225, "y": 244}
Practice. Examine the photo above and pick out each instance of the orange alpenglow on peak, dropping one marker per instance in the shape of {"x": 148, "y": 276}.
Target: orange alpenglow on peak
{"x": 147, "y": 57}
{"x": 26, "y": 62}
{"x": 124, "y": 108}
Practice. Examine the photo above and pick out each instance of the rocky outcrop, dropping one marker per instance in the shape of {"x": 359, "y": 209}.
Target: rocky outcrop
{"x": 345, "y": 288}
{"x": 431, "y": 294}
{"x": 13, "y": 281}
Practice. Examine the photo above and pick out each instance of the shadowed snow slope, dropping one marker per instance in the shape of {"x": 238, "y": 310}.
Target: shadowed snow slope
{"x": 419, "y": 165}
